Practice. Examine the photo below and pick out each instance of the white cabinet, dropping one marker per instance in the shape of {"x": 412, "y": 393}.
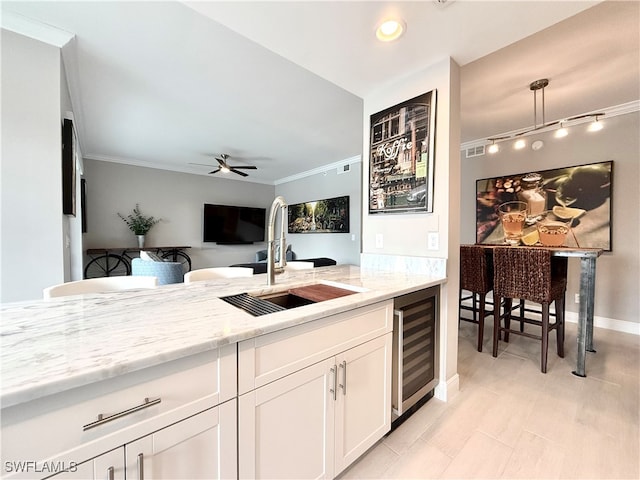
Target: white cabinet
{"x": 86, "y": 429}
{"x": 315, "y": 421}
{"x": 286, "y": 427}
{"x": 200, "y": 447}
{"x": 363, "y": 403}
{"x": 108, "y": 466}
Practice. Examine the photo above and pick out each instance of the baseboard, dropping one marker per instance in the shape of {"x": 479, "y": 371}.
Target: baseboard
{"x": 624, "y": 326}
{"x": 446, "y": 390}
{"x": 609, "y": 323}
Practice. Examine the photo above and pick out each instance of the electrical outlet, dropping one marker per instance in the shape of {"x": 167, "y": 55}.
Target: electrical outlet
{"x": 353, "y": 237}
{"x": 433, "y": 240}
{"x": 576, "y": 299}
{"x": 379, "y": 242}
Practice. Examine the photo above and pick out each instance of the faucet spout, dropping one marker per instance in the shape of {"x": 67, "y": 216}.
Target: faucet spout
{"x": 278, "y": 204}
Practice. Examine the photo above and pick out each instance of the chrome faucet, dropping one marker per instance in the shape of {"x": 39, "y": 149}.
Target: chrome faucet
{"x": 278, "y": 204}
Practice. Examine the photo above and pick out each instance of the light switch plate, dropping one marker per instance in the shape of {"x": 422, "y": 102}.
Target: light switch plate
{"x": 379, "y": 242}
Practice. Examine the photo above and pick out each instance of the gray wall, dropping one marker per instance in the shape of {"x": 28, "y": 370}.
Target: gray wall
{"x": 617, "y": 272}
{"x": 33, "y": 254}
{"x": 177, "y": 198}
{"x": 344, "y": 248}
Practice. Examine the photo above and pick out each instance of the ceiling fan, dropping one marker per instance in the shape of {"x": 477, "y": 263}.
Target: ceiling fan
{"x": 224, "y": 167}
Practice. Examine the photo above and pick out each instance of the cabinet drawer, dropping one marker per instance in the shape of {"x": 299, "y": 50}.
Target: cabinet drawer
{"x": 47, "y": 427}
{"x": 264, "y": 359}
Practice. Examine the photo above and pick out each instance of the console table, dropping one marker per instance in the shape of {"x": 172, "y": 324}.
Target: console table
{"x": 113, "y": 261}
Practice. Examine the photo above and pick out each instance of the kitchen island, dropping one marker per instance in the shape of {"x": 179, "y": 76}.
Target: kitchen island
{"x": 93, "y": 347}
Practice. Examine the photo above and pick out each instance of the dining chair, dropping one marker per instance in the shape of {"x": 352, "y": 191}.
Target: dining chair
{"x": 217, "y": 272}
{"x": 476, "y": 276}
{"x": 99, "y": 285}
{"x": 528, "y": 273}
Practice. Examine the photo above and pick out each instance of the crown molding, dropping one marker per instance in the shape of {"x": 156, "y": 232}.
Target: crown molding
{"x": 177, "y": 168}
{"x": 34, "y": 29}
{"x": 322, "y": 169}
{"x": 608, "y": 112}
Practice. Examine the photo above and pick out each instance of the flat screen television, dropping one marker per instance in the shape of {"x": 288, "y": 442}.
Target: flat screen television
{"x": 230, "y": 225}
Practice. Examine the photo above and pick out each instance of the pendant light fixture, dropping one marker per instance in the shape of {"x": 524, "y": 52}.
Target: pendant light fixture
{"x": 534, "y": 87}
{"x": 539, "y": 122}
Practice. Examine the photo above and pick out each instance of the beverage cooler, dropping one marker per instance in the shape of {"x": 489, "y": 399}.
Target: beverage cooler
{"x": 415, "y": 350}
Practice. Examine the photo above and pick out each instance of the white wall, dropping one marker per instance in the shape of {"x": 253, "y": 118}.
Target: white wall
{"x": 177, "y": 198}
{"x": 344, "y": 248}
{"x": 31, "y": 197}
{"x": 407, "y": 234}
{"x": 617, "y": 272}
{"x": 72, "y": 225}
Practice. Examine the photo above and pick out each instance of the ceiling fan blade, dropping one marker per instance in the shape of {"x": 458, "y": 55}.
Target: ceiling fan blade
{"x": 246, "y": 167}
{"x": 215, "y": 171}
{"x": 239, "y": 173}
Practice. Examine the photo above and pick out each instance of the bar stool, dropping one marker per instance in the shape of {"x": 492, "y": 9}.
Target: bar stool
{"x": 476, "y": 276}
{"x": 559, "y": 267}
{"x": 527, "y": 274}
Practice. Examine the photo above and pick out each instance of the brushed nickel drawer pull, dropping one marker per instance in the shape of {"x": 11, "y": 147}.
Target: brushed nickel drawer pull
{"x": 343, "y": 385}
{"x": 334, "y": 374}
{"x": 140, "y": 463}
{"x": 110, "y": 473}
{"x": 102, "y": 419}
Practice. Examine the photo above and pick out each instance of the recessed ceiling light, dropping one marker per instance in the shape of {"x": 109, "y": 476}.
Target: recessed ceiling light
{"x": 520, "y": 144}
{"x": 390, "y": 29}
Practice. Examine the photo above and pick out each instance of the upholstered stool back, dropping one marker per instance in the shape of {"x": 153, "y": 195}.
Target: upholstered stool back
{"x": 526, "y": 273}
{"x": 167, "y": 272}
{"x": 476, "y": 273}
{"x": 476, "y": 276}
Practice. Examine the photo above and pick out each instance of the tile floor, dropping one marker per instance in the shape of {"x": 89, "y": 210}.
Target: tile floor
{"x": 511, "y": 421}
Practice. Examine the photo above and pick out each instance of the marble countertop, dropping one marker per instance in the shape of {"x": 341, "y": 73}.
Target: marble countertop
{"x": 51, "y": 346}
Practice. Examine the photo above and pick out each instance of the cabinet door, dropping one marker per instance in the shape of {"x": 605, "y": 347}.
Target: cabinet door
{"x": 363, "y": 407}
{"x": 200, "y": 447}
{"x": 286, "y": 427}
{"x": 108, "y": 466}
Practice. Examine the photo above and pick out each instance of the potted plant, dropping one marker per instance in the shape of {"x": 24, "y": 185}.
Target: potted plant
{"x": 139, "y": 224}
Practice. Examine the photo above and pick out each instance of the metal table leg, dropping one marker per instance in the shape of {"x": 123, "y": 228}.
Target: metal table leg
{"x": 585, "y": 316}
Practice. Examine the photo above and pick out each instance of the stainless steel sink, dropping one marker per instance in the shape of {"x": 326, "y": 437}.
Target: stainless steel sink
{"x": 286, "y": 300}
{"x": 266, "y": 304}
{"x": 295, "y": 297}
